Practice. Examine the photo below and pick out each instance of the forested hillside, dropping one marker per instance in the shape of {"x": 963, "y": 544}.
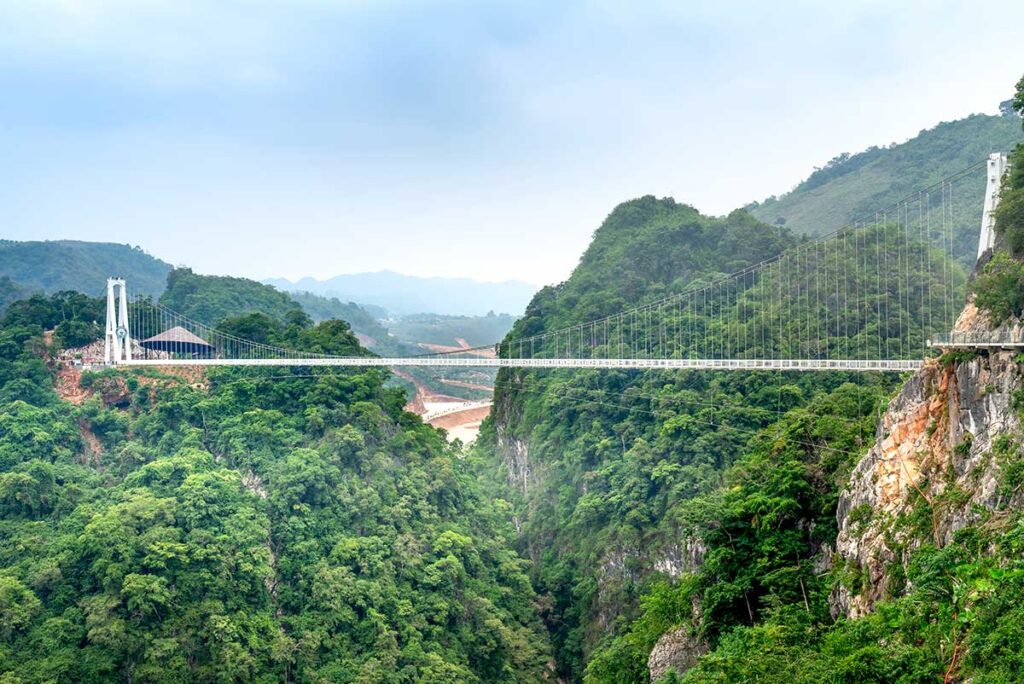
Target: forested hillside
{"x": 645, "y": 494}
{"x": 928, "y": 558}
{"x": 57, "y": 265}
{"x": 714, "y": 527}
{"x": 240, "y": 526}
{"x": 209, "y": 299}
{"x": 323, "y": 308}
{"x": 853, "y": 187}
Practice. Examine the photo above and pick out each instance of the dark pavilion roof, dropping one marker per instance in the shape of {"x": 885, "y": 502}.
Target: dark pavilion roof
{"x": 177, "y": 339}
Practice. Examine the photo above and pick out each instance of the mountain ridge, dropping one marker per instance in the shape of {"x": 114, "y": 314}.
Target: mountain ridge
{"x": 82, "y": 265}
{"x": 850, "y": 187}
{"x": 402, "y": 294}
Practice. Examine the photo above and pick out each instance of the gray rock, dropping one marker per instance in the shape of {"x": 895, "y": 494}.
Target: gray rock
{"x": 935, "y": 438}
{"x": 677, "y": 650}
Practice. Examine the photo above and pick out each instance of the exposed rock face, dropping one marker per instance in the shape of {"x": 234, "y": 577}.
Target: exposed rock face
{"x": 677, "y": 650}
{"x": 516, "y": 455}
{"x": 932, "y": 454}
{"x": 624, "y": 565}
{"x": 513, "y": 449}
{"x": 685, "y": 557}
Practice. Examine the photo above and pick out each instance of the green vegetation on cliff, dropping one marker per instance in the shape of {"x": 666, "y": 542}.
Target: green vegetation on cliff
{"x": 644, "y": 493}
{"x": 245, "y": 526}
{"x": 999, "y": 288}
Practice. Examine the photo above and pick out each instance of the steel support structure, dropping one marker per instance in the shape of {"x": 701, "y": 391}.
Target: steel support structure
{"x": 997, "y": 166}
{"x": 117, "y": 340}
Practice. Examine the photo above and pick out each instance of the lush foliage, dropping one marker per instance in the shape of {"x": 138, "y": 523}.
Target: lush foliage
{"x": 58, "y": 265}
{"x": 762, "y": 528}
{"x": 296, "y": 526}
{"x": 963, "y": 621}
{"x": 209, "y": 299}
{"x": 631, "y": 474}
{"x": 75, "y": 318}
{"x": 1000, "y": 286}
{"x": 851, "y": 187}
{"x": 373, "y": 335}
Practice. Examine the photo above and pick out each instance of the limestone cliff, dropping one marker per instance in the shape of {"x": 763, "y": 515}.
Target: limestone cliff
{"x": 677, "y": 651}
{"x": 935, "y": 467}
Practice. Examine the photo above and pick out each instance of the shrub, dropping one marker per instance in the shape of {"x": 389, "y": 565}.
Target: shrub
{"x": 1010, "y": 220}
{"x": 957, "y": 356}
{"x": 999, "y": 289}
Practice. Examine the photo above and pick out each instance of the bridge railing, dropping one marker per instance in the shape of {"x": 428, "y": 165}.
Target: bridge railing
{"x": 1007, "y": 337}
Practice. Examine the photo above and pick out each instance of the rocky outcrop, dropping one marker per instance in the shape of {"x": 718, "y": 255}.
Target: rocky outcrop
{"x": 512, "y": 448}
{"x": 931, "y": 470}
{"x": 677, "y": 650}
{"x": 516, "y": 455}
{"x": 680, "y": 558}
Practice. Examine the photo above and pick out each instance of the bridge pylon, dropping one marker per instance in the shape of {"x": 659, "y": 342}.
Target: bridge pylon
{"x": 117, "y": 341}
{"x": 997, "y": 165}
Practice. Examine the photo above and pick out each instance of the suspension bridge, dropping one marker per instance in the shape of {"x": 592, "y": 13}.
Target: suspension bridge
{"x": 872, "y": 296}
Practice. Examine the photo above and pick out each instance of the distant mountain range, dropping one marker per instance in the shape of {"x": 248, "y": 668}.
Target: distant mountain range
{"x": 54, "y": 265}
{"x": 402, "y": 295}
{"x": 851, "y": 187}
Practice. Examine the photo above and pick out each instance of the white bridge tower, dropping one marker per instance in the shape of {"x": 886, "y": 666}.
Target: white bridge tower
{"x": 117, "y": 342}
{"x": 996, "y": 169}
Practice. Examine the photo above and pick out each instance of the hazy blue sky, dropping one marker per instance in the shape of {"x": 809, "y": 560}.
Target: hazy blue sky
{"x": 452, "y": 138}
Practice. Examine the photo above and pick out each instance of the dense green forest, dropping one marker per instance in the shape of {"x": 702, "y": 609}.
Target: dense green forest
{"x": 851, "y": 187}
{"x": 210, "y": 299}
{"x": 57, "y": 265}
{"x": 625, "y": 465}
{"x": 362, "y": 321}
{"x": 242, "y": 527}
{"x": 961, "y": 619}
{"x": 703, "y": 505}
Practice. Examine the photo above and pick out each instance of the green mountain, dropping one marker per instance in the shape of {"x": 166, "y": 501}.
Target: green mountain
{"x": 853, "y": 186}
{"x": 635, "y": 491}
{"x": 245, "y": 526}
{"x": 374, "y": 335}
{"x": 210, "y": 299}
{"x": 52, "y": 266}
